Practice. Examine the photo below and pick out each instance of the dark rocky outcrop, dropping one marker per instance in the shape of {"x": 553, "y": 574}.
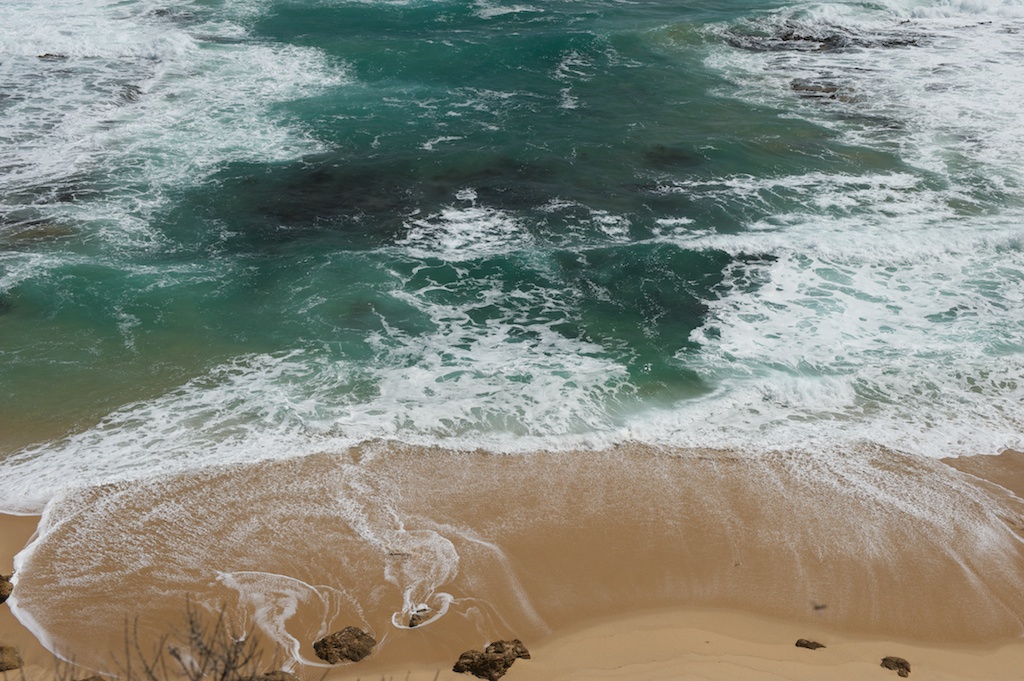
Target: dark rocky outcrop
{"x": 897, "y": 664}
{"x": 9, "y": 658}
{"x": 810, "y": 645}
{"x": 351, "y": 644}
{"x": 822, "y": 89}
{"x": 814, "y": 87}
{"x": 5, "y": 582}
{"x": 664, "y": 156}
{"x": 493, "y": 662}
{"x": 812, "y": 37}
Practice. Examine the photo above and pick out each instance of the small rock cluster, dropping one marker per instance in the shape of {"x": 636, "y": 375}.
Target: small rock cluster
{"x": 352, "y": 644}
{"x": 493, "y": 661}
{"x": 897, "y": 664}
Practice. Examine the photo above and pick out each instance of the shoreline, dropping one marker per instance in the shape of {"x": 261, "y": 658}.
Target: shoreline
{"x": 610, "y": 627}
{"x": 15, "y": 533}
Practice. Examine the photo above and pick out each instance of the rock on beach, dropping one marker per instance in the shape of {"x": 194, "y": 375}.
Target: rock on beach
{"x": 351, "y": 644}
{"x": 493, "y": 662}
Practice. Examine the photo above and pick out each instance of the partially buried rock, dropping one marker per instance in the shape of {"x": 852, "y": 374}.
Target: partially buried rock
{"x": 812, "y": 645}
{"x": 419, "y": 617}
{"x": 5, "y": 588}
{"x": 493, "y": 662}
{"x": 9, "y": 658}
{"x": 348, "y": 645}
{"x": 897, "y": 664}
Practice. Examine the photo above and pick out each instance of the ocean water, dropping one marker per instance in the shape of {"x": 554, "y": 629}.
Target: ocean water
{"x": 247, "y": 229}
{"x": 235, "y": 231}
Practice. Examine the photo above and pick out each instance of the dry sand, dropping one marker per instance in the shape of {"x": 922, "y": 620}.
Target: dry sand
{"x": 759, "y": 560}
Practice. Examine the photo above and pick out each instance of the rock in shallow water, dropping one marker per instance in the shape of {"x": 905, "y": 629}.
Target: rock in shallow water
{"x": 5, "y": 582}
{"x": 493, "y": 662}
{"x": 812, "y": 645}
{"x": 351, "y": 644}
{"x": 419, "y": 617}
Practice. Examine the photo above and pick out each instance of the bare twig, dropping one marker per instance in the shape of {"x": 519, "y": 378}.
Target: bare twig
{"x": 211, "y": 652}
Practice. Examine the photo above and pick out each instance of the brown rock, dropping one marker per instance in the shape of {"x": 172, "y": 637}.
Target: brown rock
{"x": 5, "y": 588}
{"x": 9, "y": 658}
{"x": 897, "y": 664}
{"x": 812, "y": 645}
{"x": 493, "y": 662}
{"x": 419, "y": 617}
{"x": 348, "y": 645}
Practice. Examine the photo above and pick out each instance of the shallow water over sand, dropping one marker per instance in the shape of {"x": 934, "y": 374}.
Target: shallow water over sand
{"x": 500, "y": 546}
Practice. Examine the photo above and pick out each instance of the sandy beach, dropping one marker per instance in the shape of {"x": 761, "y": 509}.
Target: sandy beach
{"x": 15, "y": 533}
{"x": 644, "y": 581}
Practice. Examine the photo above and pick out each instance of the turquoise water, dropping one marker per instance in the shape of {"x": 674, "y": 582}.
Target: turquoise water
{"x": 257, "y": 229}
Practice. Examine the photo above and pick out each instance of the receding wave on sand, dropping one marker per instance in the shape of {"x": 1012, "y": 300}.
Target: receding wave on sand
{"x": 872, "y": 542}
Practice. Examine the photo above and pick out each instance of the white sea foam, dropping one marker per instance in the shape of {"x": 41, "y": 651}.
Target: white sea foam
{"x": 467, "y": 232}
{"x": 885, "y": 308}
{"x": 489, "y": 10}
{"x": 494, "y": 372}
{"x": 105, "y": 85}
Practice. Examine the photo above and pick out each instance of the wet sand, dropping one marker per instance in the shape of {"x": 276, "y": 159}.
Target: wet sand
{"x": 634, "y": 563}
{"x": 15, "y": 533}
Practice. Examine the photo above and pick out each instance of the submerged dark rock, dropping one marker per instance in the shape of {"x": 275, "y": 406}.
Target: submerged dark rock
{"x": 821, "y": 89}
{"x": 493, "y": 662}
{"x": 897, "y": 664}
{"x": 351, "y": 644}
{"x": 821, "y": 37}
{"x": 810, "y": 645}
{"x": 664, "y": 156}
{"x": 5, "y": 582}
{"x": 9, "y": 658}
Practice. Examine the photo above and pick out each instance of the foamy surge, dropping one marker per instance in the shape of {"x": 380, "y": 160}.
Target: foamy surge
{"x": 884, "y": 308}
